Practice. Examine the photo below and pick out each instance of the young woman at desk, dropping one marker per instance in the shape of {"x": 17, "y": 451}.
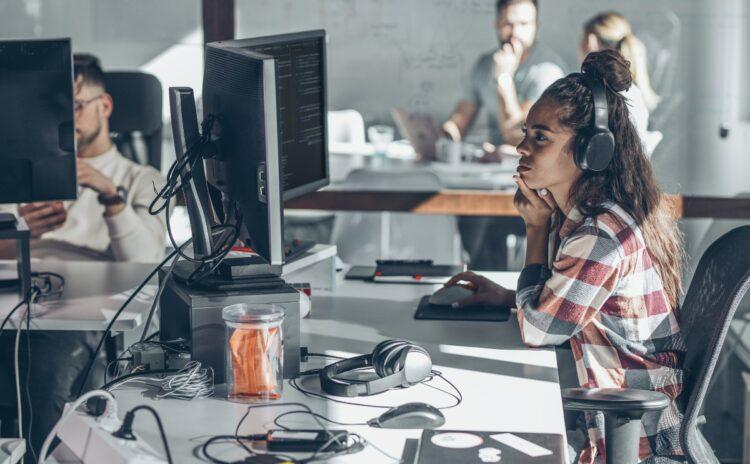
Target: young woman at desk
{"x": 611, "y": 284}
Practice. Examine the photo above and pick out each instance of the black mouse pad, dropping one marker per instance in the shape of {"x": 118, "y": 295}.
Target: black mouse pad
{"x": 425, "y": 310}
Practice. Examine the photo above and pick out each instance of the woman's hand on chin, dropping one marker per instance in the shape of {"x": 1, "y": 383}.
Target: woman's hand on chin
{"x": 535, "y": 208}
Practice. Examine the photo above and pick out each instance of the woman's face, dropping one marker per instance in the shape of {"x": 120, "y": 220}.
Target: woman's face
{"x": 546, "y": 157}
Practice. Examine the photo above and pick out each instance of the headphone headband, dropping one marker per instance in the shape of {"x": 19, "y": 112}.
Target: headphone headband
{"x": 595, "y": 145}
{"x": 601, "y": 112}
{"x": 396, "y": 362}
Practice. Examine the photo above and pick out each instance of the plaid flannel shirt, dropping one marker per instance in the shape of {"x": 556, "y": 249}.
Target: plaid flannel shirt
{"x": 603, "y": 293}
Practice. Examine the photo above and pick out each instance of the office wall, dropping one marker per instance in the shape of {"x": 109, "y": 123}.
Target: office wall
{"x": 417, "y": 54}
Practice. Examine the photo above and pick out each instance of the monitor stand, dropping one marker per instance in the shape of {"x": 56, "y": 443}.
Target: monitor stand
{"x": 17, "y": 229}
{"x": 234, "y": 273}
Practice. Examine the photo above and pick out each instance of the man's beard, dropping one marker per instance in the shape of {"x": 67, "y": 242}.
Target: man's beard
{"x": 87, "y": 139}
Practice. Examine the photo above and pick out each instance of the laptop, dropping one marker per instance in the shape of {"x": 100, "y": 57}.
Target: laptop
{"x": 420, "y": 130}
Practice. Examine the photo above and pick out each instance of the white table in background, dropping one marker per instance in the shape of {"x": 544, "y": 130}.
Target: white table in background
{"x": 93, "y": 292}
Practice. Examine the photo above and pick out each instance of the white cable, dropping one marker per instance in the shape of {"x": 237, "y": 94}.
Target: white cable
{"x": 76, "y": 404}
{"x": 192, "y": 381}
{"x": 19, "y": 405}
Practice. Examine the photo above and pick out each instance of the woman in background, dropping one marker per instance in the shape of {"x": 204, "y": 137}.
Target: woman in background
{"x": 610, "y": 30}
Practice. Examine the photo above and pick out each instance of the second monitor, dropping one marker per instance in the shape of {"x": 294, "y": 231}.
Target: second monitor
{"x": 301, "y": 102}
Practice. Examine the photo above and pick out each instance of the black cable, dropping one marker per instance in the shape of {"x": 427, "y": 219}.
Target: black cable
{"x": 207, "y": 443}
{"x": 459, "y": 398}
{"x": 117, "y": 314}
{"x": 10, "y": 314}
{"x": 158, "y": 423}
{"x": 210, "y": 441}
{"x": 294, "y": 383}
{"x": 319, "y": 416}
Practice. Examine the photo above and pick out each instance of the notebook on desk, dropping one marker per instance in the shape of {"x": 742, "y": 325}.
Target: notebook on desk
{"x": 414, "y": 271}
{"x": 405, "y": 271}
{"x": 470, "y": 447}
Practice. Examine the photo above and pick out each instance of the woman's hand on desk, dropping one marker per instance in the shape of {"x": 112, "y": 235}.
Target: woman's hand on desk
{"x": 486, "y": 291}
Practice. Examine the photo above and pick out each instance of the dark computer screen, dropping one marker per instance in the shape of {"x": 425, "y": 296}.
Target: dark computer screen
{"x": 302, "y": 106}
{"x": 37, "y": 149}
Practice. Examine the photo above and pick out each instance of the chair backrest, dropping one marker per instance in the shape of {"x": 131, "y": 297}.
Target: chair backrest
{"x": 720, "y": 281}
{"x": 361, "y": 238}
{"x": 346, "y": 126}
{"x": 137, "y": 100}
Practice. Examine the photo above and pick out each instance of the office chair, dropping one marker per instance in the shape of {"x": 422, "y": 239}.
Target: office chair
{"x": 721, "y": 280}
{"x": 346, "y": 126}
{"x": 137, "y": 100}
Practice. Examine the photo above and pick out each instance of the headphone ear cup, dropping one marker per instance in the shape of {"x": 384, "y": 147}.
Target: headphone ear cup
{"x": 600, "y": 150}
{"x": 389, "y": 356}
{"x": 417, "y": 364}
{"x": 380, "y": 354}
{"x": 580, "y": 148}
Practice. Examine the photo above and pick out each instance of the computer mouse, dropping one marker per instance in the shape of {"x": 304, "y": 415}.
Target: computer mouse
{"x": 446, "y": 296}
{"x": 409, "y": 416}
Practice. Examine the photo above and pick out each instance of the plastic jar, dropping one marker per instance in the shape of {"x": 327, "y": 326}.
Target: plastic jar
{"x": 254, "y": 353}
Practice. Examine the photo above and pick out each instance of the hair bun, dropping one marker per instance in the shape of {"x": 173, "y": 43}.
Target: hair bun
{"x": 611, "y": 66}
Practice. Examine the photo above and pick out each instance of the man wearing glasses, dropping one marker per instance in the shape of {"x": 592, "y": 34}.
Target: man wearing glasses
{"x": 109, "y": 220}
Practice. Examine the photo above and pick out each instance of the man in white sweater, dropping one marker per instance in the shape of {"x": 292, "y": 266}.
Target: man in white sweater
{"x": 109, "y": 220}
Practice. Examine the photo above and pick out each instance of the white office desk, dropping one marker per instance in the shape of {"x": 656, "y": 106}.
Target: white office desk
{"x": 93, "y": 292}
{"x": 506, "y": 386}
{"x": 464, "y": 176}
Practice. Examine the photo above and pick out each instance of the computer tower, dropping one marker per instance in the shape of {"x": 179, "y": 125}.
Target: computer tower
{"x": 195, "y": 316}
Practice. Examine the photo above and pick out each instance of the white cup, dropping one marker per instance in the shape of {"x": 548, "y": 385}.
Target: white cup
{"x": 448, "y": 151}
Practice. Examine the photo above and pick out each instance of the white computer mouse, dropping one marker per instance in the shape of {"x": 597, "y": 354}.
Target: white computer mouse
{"x": 446, "y": 296}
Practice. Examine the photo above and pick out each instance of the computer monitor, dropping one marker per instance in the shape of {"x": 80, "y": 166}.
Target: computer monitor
{"x": 302, "y": 105}
{"x": 240, "y": 91}
{"x": 37, "y": 135}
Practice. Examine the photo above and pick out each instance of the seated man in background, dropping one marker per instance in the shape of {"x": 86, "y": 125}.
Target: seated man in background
{"x": 109, "y": 220}
{"x": 506, "y": 81}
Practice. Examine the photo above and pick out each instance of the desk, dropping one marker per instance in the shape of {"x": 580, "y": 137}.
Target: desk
{"x": 462, "y": 176}
{"x": 506, "y": 386}
{"x": 93, "y": 292}
{"x": 11, "y": 450}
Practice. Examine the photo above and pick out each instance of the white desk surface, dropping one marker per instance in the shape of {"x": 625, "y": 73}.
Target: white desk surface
{"x": 93, "y": 293}
{"x": 506, "y": 386}
{"x": 11, "y": 450}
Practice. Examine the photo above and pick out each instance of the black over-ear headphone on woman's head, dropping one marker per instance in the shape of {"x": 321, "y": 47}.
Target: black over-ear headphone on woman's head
{"x": 398, "y": 363}
{"x": 595, "y": 145}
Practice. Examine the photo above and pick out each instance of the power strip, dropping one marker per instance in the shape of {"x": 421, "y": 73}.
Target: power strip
{"x": 91, "y": 440}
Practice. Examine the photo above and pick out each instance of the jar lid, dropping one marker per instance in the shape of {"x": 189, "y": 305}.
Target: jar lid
{"x": 244, "y": 312}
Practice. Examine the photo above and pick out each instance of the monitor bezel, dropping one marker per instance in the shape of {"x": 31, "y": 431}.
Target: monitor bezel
{"x": 319, "y": 34}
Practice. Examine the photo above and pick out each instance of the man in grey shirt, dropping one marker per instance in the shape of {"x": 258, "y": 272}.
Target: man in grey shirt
{"x": 508, "y": 80}
{"x": 505, "y": 83}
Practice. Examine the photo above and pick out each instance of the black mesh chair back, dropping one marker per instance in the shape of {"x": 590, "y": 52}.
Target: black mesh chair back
{"x": 137, "y": 100}
{"x": 719, "y": 283}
